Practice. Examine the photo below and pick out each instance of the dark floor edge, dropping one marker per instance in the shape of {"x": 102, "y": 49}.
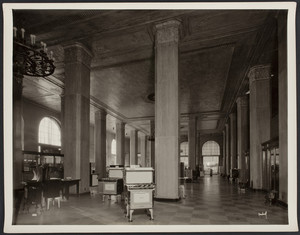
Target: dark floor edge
{"x": 167, "y": 199}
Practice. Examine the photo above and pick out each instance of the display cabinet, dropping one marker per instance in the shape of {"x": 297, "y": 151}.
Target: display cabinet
{"x": 270, "y": 166}
{"x": 45, "y": 165}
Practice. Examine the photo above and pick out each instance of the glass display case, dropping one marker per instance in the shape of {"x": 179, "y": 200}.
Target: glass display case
{"x": 42, "y": 166}
{"x": 270, "y": 166}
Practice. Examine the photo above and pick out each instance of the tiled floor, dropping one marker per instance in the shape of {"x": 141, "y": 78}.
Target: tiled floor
{"x": 212, "y": 200}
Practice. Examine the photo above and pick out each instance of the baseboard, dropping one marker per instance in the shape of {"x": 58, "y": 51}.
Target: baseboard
{"x": 167, "y": 199}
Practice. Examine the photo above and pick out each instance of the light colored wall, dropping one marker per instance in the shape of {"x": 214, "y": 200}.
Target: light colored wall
{"x": 32, "y": 115}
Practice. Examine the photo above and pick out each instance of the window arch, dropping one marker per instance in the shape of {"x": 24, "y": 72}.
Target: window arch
{"x": 211, "y": 153}
{"x": 210, "y": 148}
{"x": 49, "y": 132}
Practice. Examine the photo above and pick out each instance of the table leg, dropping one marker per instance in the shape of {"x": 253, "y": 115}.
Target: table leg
{"x": 67, "y": 191}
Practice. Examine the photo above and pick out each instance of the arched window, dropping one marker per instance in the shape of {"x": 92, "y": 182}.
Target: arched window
{"x": 211, "y": 153}
{"x": 210, "y": 148}
{"x": 49, "y": 132}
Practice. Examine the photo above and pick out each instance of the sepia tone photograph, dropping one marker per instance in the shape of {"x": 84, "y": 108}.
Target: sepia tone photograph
{"x": 125, "y": 115}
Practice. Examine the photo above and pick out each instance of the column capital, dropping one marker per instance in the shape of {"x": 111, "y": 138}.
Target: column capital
{"x": 167, "y": 32}
{"x": 242, "y": 100}
{"x": 259, "y": 72}
{"x": 77, "y": 52}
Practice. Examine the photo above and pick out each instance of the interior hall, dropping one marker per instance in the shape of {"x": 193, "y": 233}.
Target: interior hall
{"x": 153, "y": 117}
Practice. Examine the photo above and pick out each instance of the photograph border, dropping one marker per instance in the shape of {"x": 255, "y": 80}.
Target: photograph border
{"x": 292, "y": 117}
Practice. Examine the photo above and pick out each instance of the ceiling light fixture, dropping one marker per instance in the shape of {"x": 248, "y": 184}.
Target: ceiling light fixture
{"x": 30, "y": 58}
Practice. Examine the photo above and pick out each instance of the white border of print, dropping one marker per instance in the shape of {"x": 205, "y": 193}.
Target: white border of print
{"x": 292, "y": 120}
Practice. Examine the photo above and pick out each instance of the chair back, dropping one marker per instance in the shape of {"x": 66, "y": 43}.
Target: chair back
{"x": 52, "y": 188}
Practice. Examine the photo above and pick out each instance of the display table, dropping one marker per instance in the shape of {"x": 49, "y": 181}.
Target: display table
{"x": 67, "y": 184}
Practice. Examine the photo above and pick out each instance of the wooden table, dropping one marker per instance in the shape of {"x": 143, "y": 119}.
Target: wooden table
{"x": 67, "y": 184}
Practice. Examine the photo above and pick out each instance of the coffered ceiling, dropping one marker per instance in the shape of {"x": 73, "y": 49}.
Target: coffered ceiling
{"x": 216, "y": 49}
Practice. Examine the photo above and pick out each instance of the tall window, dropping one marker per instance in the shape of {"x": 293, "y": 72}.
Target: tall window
{"x": 210, "y": 148}
{"x": 184, "y": 153}
{"x": 113, "y": 147}
{"x": 113, "y": 151}
{"x": 211, "y": 153}
{"x": 49, "y": 132}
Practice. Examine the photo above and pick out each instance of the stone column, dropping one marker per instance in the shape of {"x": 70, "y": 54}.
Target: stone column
{"x": 17, "y": 131}
{"x": 242, "y": 133}
{"x": 283, "y": 108}
{"x": 192, "y": 136}
{"x": 120, "y": 139}
{"x": 133, "y": 147}
{"x": 228, "y": 161}
{"x": 233, "y": 154}
{"x": 77, "y": 114}
{"x": 167, "y": 110}
{"x": 100, "y": 142}
{"x": 224, "y": 153}
{"x": 143, "y": 150}
{"x": 260, "y": 116}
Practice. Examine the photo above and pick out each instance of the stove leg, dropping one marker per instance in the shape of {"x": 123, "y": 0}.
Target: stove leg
{"x": 130, "y": 215}
{"x": 151, "y": 214}
{"x": 127, "y": 210}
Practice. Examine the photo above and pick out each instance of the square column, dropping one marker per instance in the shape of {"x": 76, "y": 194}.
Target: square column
{"x": 192, "y": 138}
{"x": 242, "y": 134}
{"x": 228, "y": 162}
{"x": 167, "y": 110}
{"x": 233, "y": 155}
{"x": 100, "y": 143}
{"x": 260, "y": 118}
{"x": 120, "y": 139}
{"x": 143, "y": 150}
{"x": 77, "y": 114}
{"x": 133, "y": 147}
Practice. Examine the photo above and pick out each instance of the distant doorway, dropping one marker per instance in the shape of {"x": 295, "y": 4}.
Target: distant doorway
{"x": 211, "y": 154}
{"x": 211, "y": 163}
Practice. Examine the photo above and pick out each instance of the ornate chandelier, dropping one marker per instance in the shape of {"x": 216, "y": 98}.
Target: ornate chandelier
{"x": 29, "y": 58}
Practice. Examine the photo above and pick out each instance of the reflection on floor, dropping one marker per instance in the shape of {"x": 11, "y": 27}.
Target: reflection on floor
{"x": 212, "y": 200}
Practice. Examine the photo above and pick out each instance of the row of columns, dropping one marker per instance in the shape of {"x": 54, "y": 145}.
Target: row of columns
{"x": 76, "y": 117}
{"x": 253, "y": 110}
{"x": 166, "y": 158}
{"x": 76, "y": 122}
